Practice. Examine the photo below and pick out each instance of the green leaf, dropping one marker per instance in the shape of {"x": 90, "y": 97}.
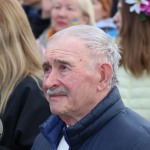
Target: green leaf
{"x": 143, "y": 17}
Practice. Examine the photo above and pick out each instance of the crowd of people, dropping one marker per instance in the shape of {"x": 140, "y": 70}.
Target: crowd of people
{"x": 65, "y": 13}
{"x": 75, "y": 74}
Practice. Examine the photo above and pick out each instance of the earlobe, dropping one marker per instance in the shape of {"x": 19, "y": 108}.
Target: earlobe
{"x": 105, "y": 72}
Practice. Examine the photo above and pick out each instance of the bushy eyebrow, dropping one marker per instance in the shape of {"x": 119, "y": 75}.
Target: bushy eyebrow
{"x": 45, "y": 64}
{"x": 58, "y": 61}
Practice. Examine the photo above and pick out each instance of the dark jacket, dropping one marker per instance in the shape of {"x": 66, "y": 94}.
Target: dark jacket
{"x": 109, "y": 126}
{"x": 37, "y": 23}
{"x": 25, "y": 111}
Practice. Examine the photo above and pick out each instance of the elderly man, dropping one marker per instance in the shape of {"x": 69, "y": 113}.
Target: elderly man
{"x": 80, "y": 67}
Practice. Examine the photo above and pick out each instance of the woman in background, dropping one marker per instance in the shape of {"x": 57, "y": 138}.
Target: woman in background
{"x": 133, "y": 23}
{"x": 65, "y": 13}
{"x": 21, "y": 95}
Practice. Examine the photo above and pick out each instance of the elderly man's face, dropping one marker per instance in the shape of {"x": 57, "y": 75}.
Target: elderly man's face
{"x": 73, "y": 79}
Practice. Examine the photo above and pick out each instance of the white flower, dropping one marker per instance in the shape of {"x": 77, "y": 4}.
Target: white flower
{"x": 131, "y": 1}
{"x": 136, "y": 5}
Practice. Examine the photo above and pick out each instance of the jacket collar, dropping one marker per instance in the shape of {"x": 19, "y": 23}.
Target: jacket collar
{"x": 110, "y": 106}
{"x": 52, "y": 130}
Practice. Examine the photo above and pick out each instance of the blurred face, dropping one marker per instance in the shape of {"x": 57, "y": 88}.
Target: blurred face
{"x": 46, "y": 7}
{"x": 98, "y": 9}
{"x": 118, "y": 18}
{"x": 69, "y": 82}
{"x": 66, "y": 13}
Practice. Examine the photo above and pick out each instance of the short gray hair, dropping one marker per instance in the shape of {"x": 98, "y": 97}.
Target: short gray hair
{"x": 98, "y": 42}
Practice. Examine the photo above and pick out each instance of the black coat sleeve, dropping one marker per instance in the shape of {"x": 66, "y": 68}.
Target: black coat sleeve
{"x": 26, "y": 110}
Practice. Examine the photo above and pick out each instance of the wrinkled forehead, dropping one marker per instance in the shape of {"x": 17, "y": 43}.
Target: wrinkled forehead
{"x": 65, "y": 42}
{"x": 69, "y": 47}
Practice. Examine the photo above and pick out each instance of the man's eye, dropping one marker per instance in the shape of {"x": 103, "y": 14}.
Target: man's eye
{"x": 46, "y": 69}
{"x": 63, "y": 67}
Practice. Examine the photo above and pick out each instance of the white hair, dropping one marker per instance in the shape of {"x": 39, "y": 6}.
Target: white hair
{"x": 97, "y": 41}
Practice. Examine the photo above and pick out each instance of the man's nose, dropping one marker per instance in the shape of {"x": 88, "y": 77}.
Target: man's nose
{"x": 52, "y": 81}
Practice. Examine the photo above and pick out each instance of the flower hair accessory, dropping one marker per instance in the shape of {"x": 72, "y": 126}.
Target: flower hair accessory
{"x": 141, "y": 7}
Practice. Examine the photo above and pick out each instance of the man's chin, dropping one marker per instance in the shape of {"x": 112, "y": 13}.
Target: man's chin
{"x": 55, "y": 110}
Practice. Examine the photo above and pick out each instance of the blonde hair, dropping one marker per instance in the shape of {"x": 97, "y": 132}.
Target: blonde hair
{"x": 19, "y": 55}
{"x": 88, "y": 10}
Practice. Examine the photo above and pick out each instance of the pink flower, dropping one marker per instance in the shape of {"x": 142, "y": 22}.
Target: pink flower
{"x": 148, "y": 11}
{"x": 145, "y": 8}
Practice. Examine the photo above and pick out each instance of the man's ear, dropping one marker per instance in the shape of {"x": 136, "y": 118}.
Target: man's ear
{"x": 105, "y": 72}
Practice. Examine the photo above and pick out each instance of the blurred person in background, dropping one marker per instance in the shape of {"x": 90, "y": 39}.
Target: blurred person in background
{"x": 22, "y": 104}
{"x": 114, "y": 7}
{"x": 20, "y": 1}
{"x": 42, "y": 20}
{"x": 104, "y": 21}
{"x": 65, "y": 13}
{"x": 32, "y": 3}
{"x": 32, "y": 8}
{"x": 133, "y": 23}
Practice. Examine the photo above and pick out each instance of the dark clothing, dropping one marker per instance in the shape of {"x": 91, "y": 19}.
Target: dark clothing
{"x": 109, "y": 126}
{"x": 38, "y": 24}
{"x": 31, "y": 12}
{"x": 25, "y": 111}
{"x": 114, "y": 7}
